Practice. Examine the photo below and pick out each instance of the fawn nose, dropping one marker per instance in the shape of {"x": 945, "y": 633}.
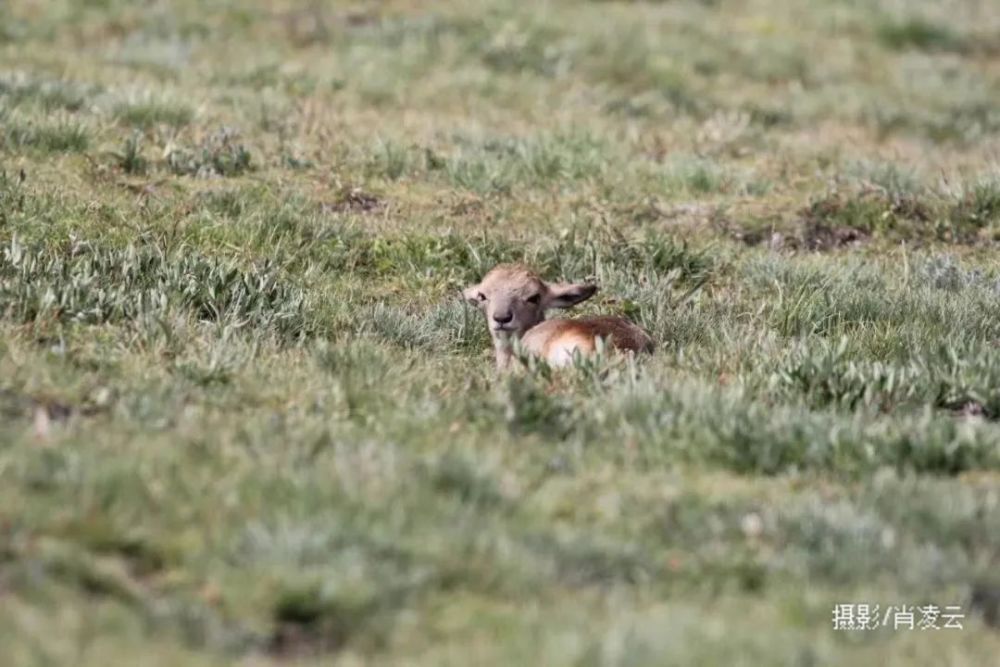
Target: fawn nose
{"x": 503, "y": 318}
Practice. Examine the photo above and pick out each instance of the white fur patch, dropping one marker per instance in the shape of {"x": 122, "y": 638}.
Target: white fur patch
{"x": 561, "y": 354}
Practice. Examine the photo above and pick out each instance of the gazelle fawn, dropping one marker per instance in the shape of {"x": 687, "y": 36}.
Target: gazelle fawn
{"x": 514, "y": 300}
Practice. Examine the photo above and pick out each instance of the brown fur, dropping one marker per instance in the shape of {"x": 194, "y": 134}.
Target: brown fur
{"x": 621, "y": 333}
{"x": 552, "y": 339}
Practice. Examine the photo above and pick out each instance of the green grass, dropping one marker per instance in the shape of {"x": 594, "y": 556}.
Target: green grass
{"x": 246, "y": 418}
{"x": 918, "y": 33}
{"x": 63, "y": 136}
{"x": 150, "y": 113}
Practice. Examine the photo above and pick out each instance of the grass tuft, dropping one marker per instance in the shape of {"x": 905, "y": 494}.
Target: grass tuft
{"x": 146, "y": 114}
{"x": 63, "y": 136}
{"x": 218, "y": 154}
{"x": 919, "y": 33}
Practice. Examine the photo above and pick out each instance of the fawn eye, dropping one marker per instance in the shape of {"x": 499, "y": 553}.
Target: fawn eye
{"x": 535, "y": 298}
{"x": 481, "y": 296}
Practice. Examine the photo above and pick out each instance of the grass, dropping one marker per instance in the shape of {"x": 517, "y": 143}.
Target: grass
{"x": 149, "y": 113}
{"x": 918, "y": 33}
{"x": 62, "y": 136}
{"x": 245, "y": 417}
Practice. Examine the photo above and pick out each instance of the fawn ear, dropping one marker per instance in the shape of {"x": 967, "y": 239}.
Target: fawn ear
{"x": 474, "y": 296}
{"x": 564, "y": 295}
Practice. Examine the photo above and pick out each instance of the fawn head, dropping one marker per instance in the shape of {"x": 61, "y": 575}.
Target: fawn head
{"x": 513, "y": 298}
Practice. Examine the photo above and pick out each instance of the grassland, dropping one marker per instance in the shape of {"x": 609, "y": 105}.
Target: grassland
{"x": 245, "y": 419}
